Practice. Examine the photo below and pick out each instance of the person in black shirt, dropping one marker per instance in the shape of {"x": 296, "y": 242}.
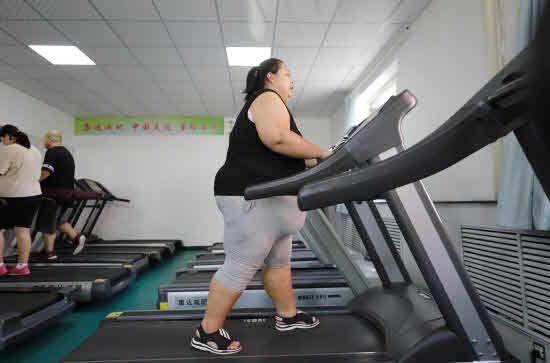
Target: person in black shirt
{"x": 265, "y": 144}
{"x": 57, "y": 182}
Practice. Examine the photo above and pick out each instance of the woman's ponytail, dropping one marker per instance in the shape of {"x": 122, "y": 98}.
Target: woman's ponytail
{"x": 255, "y": 80}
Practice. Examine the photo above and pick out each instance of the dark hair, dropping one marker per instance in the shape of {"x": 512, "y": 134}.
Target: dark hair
{"x": 20, "y": 137}
{"x": 255, "y": 80}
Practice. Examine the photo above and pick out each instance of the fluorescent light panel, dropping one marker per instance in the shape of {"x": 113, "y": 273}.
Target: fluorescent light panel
{"x": 63, "y": 55}
{"x": 247, "y": 56}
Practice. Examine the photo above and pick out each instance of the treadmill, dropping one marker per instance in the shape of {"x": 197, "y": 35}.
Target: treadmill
{"x": 25, "y": 312}
{"x": 297, "y": 255}
{"x": 218, "y": 246}
{"x": 395, "y": 322}
{"x": 139, "y": 260}
{"x": 95, "y": 201}
{"x": 88, "y": 281}
{"x": 318, "y": 285}
{"x": 106, "y": 197}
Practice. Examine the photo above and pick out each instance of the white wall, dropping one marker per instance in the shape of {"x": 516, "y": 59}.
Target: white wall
{"x": 444, "y": 62}
{"x": 338, "y": 123}
{"x": 169, "y": 180}
{"x": 31, "y": 115}
{"x": 443, "y": 59}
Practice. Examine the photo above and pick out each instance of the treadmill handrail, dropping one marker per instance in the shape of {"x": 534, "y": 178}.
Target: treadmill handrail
{"x": 471, "y": 128}
{"x": 372, "y": 137}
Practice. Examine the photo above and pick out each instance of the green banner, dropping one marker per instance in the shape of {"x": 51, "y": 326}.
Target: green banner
{"x": 143, "y": 125}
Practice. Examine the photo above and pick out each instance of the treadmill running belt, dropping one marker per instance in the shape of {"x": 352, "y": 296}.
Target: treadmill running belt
{"x": 82, "y": 258}
{"x": 68, "y": 273}
{"x": 201, "y": 276}
{"x": 300, "y": 255}
{"x": 155, "y": 341}
{"x": 26, "y": 302}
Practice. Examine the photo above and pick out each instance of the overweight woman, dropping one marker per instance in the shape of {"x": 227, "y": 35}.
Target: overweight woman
{"x": 265, "y": 144}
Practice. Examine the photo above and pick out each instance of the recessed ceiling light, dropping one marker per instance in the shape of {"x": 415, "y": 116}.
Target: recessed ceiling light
{"x": 247, "y": 56}
{"x": 63, "y": 55}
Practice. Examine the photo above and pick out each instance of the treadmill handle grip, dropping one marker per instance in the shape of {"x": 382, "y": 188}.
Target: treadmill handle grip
{"x": 474, "y": 128}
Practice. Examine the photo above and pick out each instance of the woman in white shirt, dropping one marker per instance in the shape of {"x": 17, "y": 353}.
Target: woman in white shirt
{"x": 20, "y": 165}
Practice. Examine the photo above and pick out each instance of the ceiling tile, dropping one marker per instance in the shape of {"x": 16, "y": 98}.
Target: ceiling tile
{"x": 11, "y": 73}
{"x": 34, "y": 32}
{"x": 318, "y": 89}
{"x": 365, "y": 11}
{"x": 163, "y": 109}
{"x": 103, "y": 87}
{"x": 247, "y": 34}
{"x": 190, "y": 109}
{"x": 209, "y": 73}
{"x": 181, "y": 93}
{"x": 133, "y": 108}
{"x": 177, "y": 87}
{"x": 16, "y": 55}
{"x": 6, "y": 39}
{"x": 142, "y": 34}
{"x": 238, "y": 74}
{"x": 196, "y": 10}
{"x": 329, "y": 73}
{"x": 169, "y": 73}
{"x": 82, "y": 98}
{"x": 204, "y": 56}
{"x": 157, "y": 56}
{"x": 89, "y": 33}
{"x": 123, "y": 73}
{"x": 255, "y": 11}
{"x": 409, "y": 10}
{"x": 110, "y": 56}
{"x": 82, "y": 73}
{"x": 216, "y": 99}
{"x": 42, "y": 71}
{"x": 28, "y": 86}
{"x": 386, "y": 33}
{"x": 147, "y": 91}
{"x": 127, "y": 9}
{"x": 215, "y": 89}
{"x": 71, "y": 109}
{"x": 351, "y": 35}
{"x": 221, "y": 110}
{"x": 65, "y": 9}
{"x": 195, "y": 34}
{"x": 17, "y": 10}
{"x": 307, "y": 10}
{"x": 299, "y": 72}
{"x": 296, "y": 56}
{"x": 337, "y": 56}
{"x": 352, "y": 77}
{"x": 65, "y": 85}
{"x": 102, "y": 109}
{"x": 310, "y": 34}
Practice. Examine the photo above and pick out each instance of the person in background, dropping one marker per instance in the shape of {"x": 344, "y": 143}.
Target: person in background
{"x": 19, "y": 188}
{"x": 57, "y": 181}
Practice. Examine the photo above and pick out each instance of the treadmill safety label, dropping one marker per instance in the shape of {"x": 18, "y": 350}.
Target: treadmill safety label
{"x": 144, "y": 126}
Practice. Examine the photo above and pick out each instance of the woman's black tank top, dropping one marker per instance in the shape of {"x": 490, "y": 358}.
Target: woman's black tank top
{"x": 248, "y": 160}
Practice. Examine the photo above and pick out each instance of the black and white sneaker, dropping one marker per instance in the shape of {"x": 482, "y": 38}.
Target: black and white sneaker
{"x": 78, "y": 244}
{"x": 301, "y": 320}
{"x": 48, "y": 256}
{"x": 220, "y": 338}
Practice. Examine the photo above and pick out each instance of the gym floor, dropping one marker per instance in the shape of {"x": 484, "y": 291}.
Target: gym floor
{"x": 53, "y": 345}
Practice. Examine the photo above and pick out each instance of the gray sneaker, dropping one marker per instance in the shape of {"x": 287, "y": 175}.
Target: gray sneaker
{"x": 78, "y": 244}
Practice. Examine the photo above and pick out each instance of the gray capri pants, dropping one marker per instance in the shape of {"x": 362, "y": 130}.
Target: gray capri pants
{"x": 256, "y": 233}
